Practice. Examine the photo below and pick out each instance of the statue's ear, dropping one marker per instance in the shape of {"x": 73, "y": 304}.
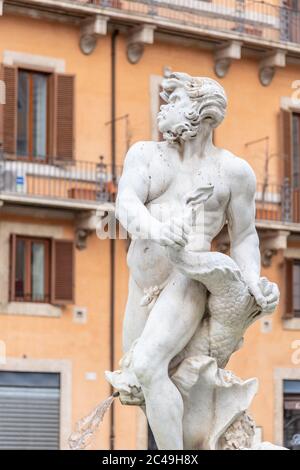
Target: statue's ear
{"x": 199, "y": 195}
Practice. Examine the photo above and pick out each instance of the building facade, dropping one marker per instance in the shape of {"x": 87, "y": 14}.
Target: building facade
{"x": 80, "y": 82}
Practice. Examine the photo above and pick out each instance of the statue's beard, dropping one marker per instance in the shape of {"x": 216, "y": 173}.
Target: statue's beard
{"x": 206, "y": 118}
{"x": 183, "y": 131}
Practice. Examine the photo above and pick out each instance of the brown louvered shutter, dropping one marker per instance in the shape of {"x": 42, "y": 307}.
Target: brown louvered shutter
{"x": 286, "y": 128}
{"x": 2, "y": 100}
{"x": 12, "y": 266}
{"x": 10, "y": 110}
{"x": 289, "y": 308}
{"x": 62, "y": 282}
{"x": 64, "y": 117}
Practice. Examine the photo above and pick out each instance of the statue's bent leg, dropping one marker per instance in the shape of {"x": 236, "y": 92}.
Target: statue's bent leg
{"x": 135, "y": 315}
{"x": 171, "y": 324}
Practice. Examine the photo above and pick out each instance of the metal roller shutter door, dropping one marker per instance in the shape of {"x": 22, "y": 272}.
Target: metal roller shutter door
{"x": 29, "y": 417}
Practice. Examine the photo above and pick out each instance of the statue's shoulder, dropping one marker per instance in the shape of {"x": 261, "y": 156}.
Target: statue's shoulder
{"x": 142, "y": 152}
{"x": 237, "y": 168}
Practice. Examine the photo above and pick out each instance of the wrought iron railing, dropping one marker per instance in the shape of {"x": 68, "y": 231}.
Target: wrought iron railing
{"x": 253, "y": 18}
{"x": 76, "y": 180}
{"x": 277, "y": 203}
{"x": 94, "y": 182}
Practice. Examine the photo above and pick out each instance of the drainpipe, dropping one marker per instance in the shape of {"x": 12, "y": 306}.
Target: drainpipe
{"x": 112, "y": 241}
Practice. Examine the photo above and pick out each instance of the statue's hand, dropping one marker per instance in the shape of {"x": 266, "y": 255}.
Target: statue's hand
{"x": 173, "y": 233}
{"x": 266, "y": 294}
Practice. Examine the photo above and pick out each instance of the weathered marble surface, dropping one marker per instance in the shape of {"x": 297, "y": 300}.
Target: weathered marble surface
{"x": 188, "y": 307}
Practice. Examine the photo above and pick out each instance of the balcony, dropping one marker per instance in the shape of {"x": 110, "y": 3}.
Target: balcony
{"x": 278, "y": 206}
{"x": 77, "y": 185}
{"x": 255, "y": 22}
{"x": 83, "y": 185}
{"x": 245, "y": 18}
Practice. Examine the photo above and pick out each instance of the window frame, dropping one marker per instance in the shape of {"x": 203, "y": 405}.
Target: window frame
{"x": 27, "y": 297}
{"x": 290, "y": 311}
{"x": 29, "y": 118}
{"x": 295, "y": 157}
{"x": 64, "y": 368}
{"x": 289, "y": 411}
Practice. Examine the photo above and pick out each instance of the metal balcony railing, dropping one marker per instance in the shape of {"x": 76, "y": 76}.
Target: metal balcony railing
{"x": 277, "y": 203}
{"x": 76, "y": 180}
{"x": 81, "y": 181}
{"x": 252, "y": 18}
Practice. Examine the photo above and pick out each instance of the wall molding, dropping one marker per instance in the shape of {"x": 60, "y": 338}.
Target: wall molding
{"x": 24, "y": 59}
{"x": 287, "y": 103}
{"x": 281, "y": 374}
{"x": 31, "y": 230}
{"x": 292, "y": 253}
{"x": 64, "y": 368}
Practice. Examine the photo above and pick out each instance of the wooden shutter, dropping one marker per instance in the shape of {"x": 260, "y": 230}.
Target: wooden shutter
{"x": 10, "y": 110}
{"x": 12, "y": 266}
{"x": 62, "y": 285}
{"x": 2, "y": 98}
{"x": 64, "y": 116}
{"x": 287, "y": 146}
{"x": 289, "y": 307}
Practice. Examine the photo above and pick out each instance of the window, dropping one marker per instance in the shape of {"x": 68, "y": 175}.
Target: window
{"x": 37, "y": 121}
{"x": 42, "y": 270}
{"x": 291, "y": 414}
{"x": 32, "y": 119}
{"x": 30, "y": 410}
{"x": 292, "y": 288}
{"x": 290, "y": 154}
{"x": 31, "y": 270}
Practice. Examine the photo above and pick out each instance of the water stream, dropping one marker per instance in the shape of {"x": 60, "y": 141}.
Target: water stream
{"x": 86, "y": 427}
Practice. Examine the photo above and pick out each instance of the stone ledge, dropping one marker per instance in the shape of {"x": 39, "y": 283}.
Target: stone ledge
{"x": 30, "y": 309}
{"x": 291, "y": 324}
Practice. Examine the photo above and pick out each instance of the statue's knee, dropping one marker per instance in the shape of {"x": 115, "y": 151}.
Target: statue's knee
{"x": 143, "y": 369}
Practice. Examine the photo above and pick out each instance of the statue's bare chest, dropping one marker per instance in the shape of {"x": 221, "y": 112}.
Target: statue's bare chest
{"x": 183, "y": 179}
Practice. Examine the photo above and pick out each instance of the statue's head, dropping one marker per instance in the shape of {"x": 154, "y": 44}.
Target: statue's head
{"x": 193, "y": 104}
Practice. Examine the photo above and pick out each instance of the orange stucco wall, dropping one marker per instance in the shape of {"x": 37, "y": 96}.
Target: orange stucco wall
{"x": 252, "y": 114}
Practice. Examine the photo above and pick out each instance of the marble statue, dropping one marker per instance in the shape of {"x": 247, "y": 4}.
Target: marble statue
{"x": 188, "y": 307}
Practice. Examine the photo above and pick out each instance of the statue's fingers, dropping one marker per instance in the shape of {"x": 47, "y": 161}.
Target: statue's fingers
{"x": 186, "y": 228}
{"x": 259, "y": 297}
{"x": 177, "y": 239}
{"x": 273, "y": 297}
{"x": 181, "y": 225}
{"x": 178, "y": 231}
{"x": 270, "y": 307}
{"x": 266, "y": 286}
{"x": 166, "y": 241}
{"x": 275, "y": 291}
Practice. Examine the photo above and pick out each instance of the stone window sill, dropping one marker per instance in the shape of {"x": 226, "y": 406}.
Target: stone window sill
{"x": 291, "y": 323}
{"x": 31, "y": 309}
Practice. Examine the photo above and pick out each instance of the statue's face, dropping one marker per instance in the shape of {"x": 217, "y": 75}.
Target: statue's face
{"x": 172, "y": 116}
